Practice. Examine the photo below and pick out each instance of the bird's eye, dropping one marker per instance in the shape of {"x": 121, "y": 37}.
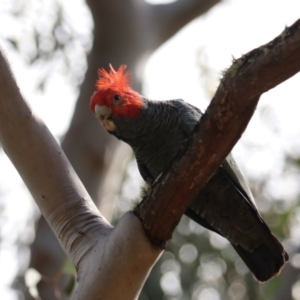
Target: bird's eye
{"x": 117, "y": 97}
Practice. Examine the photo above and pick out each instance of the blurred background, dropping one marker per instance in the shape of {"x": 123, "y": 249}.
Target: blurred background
{"x": 174, "y": 49}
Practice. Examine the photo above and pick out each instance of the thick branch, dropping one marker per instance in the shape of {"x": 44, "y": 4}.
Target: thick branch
{"x": 170, "y": 18}
{"x": 105, "y": 257}
{"x": 42, "y": 164}
{"x": 221, "y": 126}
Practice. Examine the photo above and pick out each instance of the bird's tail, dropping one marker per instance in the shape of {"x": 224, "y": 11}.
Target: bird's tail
{"x": 265, "y": 261}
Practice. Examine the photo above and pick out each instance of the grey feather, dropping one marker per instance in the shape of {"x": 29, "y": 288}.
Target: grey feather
{"x": 225, "y": 205}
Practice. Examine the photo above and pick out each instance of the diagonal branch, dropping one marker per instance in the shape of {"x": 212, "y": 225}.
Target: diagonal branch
{"x": 219, "y": 129}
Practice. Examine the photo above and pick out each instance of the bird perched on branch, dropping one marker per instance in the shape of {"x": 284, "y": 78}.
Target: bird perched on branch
{"x": 156, "y": 131}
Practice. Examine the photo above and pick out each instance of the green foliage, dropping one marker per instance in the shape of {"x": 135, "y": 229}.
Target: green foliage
{"x": 68, "y": 267}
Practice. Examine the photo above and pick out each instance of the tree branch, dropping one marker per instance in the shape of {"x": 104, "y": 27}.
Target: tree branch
{"x": 124, "y": 32}
{"x": 219, "y": 129}
{"x": 41, "y": 162}
{"x": 105, "y": 257}
{"x": 170, "y": 18}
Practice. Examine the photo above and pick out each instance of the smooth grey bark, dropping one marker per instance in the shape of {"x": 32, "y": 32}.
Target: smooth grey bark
{"x": 104, "y": 257}
{"x": 107, "y": 258}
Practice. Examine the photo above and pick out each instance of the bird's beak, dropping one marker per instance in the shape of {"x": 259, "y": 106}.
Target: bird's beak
{"x": 103, "y": 113}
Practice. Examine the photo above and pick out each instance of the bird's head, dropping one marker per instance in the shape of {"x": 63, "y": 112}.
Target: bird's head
{"x": 115, "y": 98}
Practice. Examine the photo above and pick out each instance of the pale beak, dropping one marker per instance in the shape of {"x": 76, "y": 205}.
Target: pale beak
{"x": 103, "y": 113}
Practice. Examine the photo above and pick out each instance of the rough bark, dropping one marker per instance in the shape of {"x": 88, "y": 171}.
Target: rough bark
{"x": 124, "y": 32}
{"x": 219, "y": 129}
{"x": 122, "y": 257}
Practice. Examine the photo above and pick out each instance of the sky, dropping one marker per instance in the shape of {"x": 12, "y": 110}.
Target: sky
{"x": 228, "y": 30}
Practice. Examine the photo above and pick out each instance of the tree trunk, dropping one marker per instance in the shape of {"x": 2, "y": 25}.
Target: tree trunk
{"x": 122, "y": 257}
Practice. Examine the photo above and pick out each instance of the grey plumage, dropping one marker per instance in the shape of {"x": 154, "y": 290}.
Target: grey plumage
{"x": 225, "y": 205}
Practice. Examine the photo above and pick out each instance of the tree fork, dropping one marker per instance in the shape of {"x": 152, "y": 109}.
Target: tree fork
{"x": 218, "y": 131}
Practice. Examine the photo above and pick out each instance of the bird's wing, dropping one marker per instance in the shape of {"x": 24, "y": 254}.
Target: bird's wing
{"x": 189, "y": 115}
{"x": 147, "y": 176}
{"x": 231, "y": 170}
